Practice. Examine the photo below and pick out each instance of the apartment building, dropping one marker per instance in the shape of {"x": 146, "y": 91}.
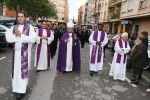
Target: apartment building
{"x": 95, "y": 13}
{"x": 105, "y": 14}
{"x": 135, "y": 16}
{"x": 62, "y": 8}
{"x": 87, "y": 9}
{"x": 80, "y": 15}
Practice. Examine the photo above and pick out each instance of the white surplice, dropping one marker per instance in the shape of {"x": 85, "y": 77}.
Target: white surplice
{"x": 118, "y": 70}
{"x": 19, "y": 85}
{"x": 69, "y": 61}
{"x": 43, "y": 64}
{"x": 98, "y": 65}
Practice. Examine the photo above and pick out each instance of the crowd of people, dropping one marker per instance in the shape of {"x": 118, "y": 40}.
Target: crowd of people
{"x": 22, "y": 35}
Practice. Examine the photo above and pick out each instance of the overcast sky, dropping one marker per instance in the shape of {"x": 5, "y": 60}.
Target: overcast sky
{"x": 73, "y": 8}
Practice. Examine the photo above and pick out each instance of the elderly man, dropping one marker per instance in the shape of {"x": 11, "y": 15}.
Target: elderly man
{"x": 44, "y": 38}
{"x": 118, "y": 67}
{"x": 98, "y": 39}
{"x": 22, "y": 36}
{"x": 69, "y": 51}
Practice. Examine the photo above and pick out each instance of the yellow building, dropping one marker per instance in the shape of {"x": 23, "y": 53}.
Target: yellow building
{"x": 117, "y": 27}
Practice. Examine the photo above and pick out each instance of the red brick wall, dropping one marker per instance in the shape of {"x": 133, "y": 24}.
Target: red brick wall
{"x": 10, "y": 13}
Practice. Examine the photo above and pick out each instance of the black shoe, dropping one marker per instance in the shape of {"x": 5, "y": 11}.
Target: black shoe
{"x": 91, "y": 73}
{"x": 133, "y": 75}
{"x": 95, "y": 72}
{"x": 38, "y": 70}
{"x": 133, "y": 82}
{"x": 132, "y": 79}
{"x": 19, "y": 96}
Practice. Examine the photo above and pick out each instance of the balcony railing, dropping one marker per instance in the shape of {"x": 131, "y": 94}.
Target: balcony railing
{"x": 115, "y": 16}
{"x": 117, "y": 2}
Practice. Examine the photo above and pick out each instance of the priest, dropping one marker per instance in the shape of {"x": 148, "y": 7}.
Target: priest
{"x": 69, "y": 51}
{"x": 22, "y": 36}
{"x": 42, "y": 56}
{"x": 98, "y": 39}
{"x": 118, "y": 67}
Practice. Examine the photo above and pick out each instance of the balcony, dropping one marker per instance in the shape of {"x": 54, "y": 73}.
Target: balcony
{"x": 116, "y": 2}
{"x": 115, "y": 16}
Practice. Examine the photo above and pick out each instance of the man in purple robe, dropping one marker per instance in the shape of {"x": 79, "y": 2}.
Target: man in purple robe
{"x": 42, "y": 56}
{"x": 69, "y": 51}
{"x": 118, "y": 66}
{"x": 22, "y": 36}
{"x": 98, "y": 39}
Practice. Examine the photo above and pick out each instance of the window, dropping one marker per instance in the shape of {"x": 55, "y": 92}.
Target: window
{"x": 124, "y": 6}
{"x": 136, "y": 30}
{"x": 104, "y": 14}
{"x": 143, "y": 4}
{"x": 130, "y": 5}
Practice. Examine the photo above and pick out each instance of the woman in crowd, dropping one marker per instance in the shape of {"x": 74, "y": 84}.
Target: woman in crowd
{"x": 138, "y": 58}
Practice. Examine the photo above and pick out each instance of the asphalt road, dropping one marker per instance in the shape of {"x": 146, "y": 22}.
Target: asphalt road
{"x": 50, "y": 85}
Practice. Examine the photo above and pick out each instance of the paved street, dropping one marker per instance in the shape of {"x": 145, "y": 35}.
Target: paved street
{"x": 50, "y": 85}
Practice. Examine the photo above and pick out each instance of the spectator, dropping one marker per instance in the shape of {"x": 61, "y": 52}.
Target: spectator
{"x": 138, "y": 59}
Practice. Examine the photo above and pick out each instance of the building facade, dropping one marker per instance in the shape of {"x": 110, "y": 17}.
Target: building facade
{"x": 80, "y": 15}
{"x": 87, "y": 9}
{"x": 135, "y": 16}
{"x": 62, "y": 10}
{"x": 95, "y": 13}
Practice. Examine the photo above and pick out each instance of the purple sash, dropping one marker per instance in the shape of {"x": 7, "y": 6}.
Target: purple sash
{"x": 121, "y": 46}
{"x": 94, "y": 48}
{"x": 24, "y": 52}
{"x": 40, "y": 33}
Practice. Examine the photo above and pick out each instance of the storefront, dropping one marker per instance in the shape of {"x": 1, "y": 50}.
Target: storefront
{"x": 127, "y": 26}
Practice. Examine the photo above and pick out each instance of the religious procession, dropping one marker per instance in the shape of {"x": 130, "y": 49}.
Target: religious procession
{"x": 69, "y": 61}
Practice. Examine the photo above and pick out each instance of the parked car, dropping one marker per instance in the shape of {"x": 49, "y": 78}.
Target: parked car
{"x": 113, "y": 41}
{"x": 7, "y": 23}
{"x": 3, "y": 31}
{"x": 110, "y": 36}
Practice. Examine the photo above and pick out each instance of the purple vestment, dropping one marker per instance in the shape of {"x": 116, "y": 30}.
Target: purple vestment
{"x": 40, "y": 33}
{"x": 121, "y": 46}
{"x": 94, "y": 48}
{"x": 61, "y": 63}
{"x": 24, "y": 52}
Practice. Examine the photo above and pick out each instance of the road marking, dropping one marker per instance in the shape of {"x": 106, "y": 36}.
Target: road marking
{"x": 3, "y": 58}
{"x": 148, "y": 80}
{"x": 130, "y": 83}
{"x": 127, "y": 79}
{"x": 109, "y": 64}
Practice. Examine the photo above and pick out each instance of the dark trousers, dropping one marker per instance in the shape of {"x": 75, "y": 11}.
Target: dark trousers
{"x": 104, "y": 50}
{"x": 53, "y": 48}
{"x": 82, "y": 43}
{"x": 128, "y": 65}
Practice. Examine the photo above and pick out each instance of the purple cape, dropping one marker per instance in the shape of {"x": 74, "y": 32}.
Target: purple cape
{"x": 40, "y": 33}
{"x": 61, "y": 63}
